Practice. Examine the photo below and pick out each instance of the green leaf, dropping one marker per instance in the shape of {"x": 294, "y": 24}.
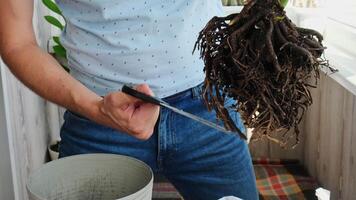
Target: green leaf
{"x": 56, "y": 40}
{"x": 52, "y": 6}
{"x": 60, "y": 51}
{"x": 283, "y": 3}
{"x": 279, "y": 18}
{"x": 65, "y": 68}
{"x": 55, "y": 22}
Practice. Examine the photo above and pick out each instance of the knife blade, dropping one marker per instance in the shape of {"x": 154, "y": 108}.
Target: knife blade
{"x": 157, "y": 101}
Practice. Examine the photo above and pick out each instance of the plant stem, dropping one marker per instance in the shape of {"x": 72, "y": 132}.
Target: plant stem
{"x": 283, "y": 3}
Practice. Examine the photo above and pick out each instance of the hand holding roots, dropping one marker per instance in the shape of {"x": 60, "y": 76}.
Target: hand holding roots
{"x": 263, "y": 61}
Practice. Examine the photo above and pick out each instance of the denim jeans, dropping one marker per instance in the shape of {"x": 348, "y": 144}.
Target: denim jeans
{"x": 202, "y": 163}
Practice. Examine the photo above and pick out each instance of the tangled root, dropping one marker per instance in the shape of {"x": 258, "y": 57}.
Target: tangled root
{"x": 264, "y": 62}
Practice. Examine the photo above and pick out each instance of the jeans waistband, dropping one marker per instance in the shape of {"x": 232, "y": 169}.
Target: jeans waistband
{"x": 193, "y": 92}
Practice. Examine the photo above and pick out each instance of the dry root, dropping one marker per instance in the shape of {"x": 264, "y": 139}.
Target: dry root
{"x": 265, "y": 62}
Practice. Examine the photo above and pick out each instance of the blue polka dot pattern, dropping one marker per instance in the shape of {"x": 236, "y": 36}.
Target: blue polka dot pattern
{"x": 116, "y": 42}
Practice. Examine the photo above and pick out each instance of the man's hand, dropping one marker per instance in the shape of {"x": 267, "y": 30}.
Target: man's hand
{"x": 129, "y": 114}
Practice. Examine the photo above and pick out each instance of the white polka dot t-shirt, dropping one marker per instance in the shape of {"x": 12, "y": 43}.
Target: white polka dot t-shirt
{"x": 114, "y": 42}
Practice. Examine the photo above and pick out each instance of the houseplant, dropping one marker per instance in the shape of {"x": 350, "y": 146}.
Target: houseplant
{"x": 57, "y": 50}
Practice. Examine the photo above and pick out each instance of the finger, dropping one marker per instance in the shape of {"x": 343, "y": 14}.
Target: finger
{"x": 144, "y": 88}
{"x": 146, "y": 113}
{"x": 124, "y": 115}
{"x": 107, "y": 107}
{"x": 119, "y": 99}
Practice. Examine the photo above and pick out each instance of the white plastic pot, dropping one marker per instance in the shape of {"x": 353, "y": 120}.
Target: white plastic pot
{"x": 92, "y": 177}
{"x": 53, "y": 153}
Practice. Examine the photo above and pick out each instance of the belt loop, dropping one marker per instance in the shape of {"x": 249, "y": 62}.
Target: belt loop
{"x": 197, "y": 90}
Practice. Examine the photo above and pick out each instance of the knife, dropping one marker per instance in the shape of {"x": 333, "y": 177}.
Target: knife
{"x": 157, "y": 101}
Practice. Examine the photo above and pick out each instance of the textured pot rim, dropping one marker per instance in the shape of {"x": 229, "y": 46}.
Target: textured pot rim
{"x": 32, "y": 194}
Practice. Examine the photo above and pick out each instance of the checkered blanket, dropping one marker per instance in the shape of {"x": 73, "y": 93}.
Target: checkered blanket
{"x": 276, "y": 180}
{"x": 283, "y": 179}
{"x": 164, "y": 190}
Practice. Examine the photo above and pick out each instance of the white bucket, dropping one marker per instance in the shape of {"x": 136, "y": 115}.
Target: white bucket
{"x": 92, "y": 176}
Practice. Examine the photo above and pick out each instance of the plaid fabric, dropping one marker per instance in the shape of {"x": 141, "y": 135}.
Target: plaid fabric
{"x": 283, "y": 179}
{"x": 276, "y": 180}
{"x": 164, "y": 190}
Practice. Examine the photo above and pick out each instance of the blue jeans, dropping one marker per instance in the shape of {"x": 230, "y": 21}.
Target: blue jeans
{"x": 200, "y": 162}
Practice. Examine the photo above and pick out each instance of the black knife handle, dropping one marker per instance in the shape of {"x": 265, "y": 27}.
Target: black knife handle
{"x": 144, "y": 97}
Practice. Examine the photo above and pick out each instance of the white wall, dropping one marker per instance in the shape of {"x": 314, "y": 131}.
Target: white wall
{"x": 6, "y": 183}
{"x": 330, "y": 131}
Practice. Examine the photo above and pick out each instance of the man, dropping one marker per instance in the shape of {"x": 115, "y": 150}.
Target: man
{"x": 143, "y": 43}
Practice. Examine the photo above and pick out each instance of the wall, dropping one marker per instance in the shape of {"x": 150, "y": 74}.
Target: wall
{"x": 330, "y": 144}
{"x": 268, "y": 149}
{"x": 29, "y": 133}
{"x": 6, "y": 183}
{"x": 328, "y": 148}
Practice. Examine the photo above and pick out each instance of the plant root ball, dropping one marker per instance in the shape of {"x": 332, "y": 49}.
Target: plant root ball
{"x": 266, "y": 63}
